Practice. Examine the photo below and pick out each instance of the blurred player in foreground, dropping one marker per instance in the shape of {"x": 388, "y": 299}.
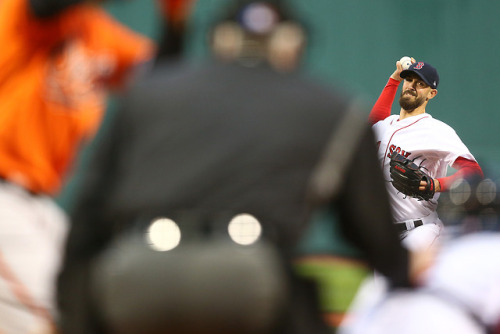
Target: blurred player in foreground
{"x": 58, "y": 60}
{"x": 198, "y": 149}
{"x": 428, "y": 142}
{"x": 461, "y": 291}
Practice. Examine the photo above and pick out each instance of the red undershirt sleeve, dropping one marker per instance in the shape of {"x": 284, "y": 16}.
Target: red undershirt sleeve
{"x": 382, "y": 108}
{"x": 465, "y": 168}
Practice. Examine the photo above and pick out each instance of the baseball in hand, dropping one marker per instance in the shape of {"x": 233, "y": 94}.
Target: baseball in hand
{"x": 405, "y": 62}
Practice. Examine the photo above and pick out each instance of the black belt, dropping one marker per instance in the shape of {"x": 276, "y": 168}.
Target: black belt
{"x": 403, "y": 227}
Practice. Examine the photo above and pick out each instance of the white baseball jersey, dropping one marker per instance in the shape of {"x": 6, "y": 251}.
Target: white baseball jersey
{"x": 432, "y": 143}
{"x": 468, "y": 268}
{"x": 461, "y": 294}
{"x": 412, "y": 312}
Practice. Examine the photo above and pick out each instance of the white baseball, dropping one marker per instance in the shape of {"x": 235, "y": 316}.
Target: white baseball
{"x": 405, "y": 62}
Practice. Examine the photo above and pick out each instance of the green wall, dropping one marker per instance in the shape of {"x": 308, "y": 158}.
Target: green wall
{"x": 355, "y": 44}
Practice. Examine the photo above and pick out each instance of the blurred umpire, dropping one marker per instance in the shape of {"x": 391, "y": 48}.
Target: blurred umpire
{"x": 242, "y": 135}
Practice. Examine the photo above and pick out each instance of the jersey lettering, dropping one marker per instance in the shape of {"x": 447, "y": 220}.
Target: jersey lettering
{"x": 74, "y": 74}
{"x": 393, "y": 148}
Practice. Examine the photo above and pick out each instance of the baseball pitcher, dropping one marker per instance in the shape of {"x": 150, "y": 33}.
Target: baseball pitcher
{"x": 415, "y": 151}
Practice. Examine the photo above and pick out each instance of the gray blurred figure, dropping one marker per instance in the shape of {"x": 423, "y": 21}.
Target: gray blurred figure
{"x": 242, "y": 140}
{"x": 461, "y": 290}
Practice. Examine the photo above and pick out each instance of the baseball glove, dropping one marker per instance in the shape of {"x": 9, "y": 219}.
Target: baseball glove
{"x": 406, "y": 177}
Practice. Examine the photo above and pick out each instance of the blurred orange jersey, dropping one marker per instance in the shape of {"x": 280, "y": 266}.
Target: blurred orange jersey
{"x": 54, "y": 76}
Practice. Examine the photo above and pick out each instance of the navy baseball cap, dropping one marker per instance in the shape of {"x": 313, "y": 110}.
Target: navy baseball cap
{"x": 425, "y": 71}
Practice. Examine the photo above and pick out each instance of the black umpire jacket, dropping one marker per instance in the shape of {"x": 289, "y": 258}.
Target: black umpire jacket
{"x": 219, "y": 139}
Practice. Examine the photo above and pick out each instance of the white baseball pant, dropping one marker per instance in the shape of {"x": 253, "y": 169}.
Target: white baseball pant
{"x": 32, "y": 232}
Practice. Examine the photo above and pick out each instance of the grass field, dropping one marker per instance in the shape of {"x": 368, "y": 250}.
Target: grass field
{"x": 338, "y": 280}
